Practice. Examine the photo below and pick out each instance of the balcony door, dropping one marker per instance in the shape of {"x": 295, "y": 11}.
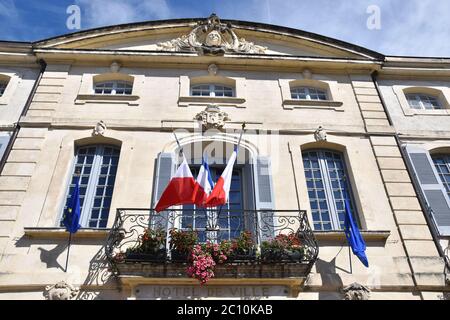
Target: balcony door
{"x": 217, "y": 224}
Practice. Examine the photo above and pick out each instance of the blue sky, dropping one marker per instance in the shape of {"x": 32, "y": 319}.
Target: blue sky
{"x": 412, "y": 27}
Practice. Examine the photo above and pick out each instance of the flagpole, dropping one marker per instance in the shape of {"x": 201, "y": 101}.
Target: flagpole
{"x": 77, "y": 174}
{"x": 237, "y": 151}
{"x": 178, "y": 142}
{"x": 68, "y": 251}
{"x": 242, "y": 132}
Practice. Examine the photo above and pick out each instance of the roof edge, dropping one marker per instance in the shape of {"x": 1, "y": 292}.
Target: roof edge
{"x": 236, "y": 23}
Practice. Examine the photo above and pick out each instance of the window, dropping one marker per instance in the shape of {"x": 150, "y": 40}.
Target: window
{"x": 231, "y": 219}
{"x": 211, "y": 90}
{"x": 3, "y": 86}
{"x": 327, "y": 188}
{"x": 423, "y": 101}
{"x": 97, "y": 167}
{"x": 442, "y": 164}
{"x": 114, "y": 87}
{"x": 308, "y": 93}
{"x": 4, "y": 140}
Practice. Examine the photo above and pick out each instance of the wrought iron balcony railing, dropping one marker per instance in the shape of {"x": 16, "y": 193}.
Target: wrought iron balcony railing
{"x": 283, "y": 243}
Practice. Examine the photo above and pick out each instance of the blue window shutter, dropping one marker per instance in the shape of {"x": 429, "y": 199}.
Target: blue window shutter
{"x": 433, "y": 191}
{"x": 264, "y": 198}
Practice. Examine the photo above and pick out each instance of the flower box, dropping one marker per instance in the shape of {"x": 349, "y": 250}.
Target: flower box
{"x": 179, "y": 256}
{"x": 241, "y": 256}
{"x": 157, "y": 256}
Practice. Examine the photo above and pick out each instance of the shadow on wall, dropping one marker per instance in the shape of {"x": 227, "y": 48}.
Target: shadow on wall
{"x": 53, "y": 255}
{"x": 99, "y": 274}
{"x": 330, "y": 278}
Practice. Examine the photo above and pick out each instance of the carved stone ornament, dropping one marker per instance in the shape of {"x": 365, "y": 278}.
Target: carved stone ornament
{"x": 99, "y": 129}
{"x": 213, "y": 69}
{"x": 356, "y": 291}
{"x": 320, "y": 134}
{"x": 307, "y": 74}
{"x": 61, "y": 291}
{"x": 211, "y": 37}
{"x": 212, "y": 118}
{"x": 115, "y": 67}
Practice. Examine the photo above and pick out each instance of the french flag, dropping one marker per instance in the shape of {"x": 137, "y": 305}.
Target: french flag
{"x": 219, "y": 195}
{"x": 180, "y": 189}
{"x": 204, "y": 185}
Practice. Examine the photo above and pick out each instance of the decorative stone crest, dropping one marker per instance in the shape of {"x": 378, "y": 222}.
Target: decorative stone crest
{"x": 211, "y": 37}
{"x": 61, "y": 291}
{"x": 356, "y": 291}
{"x": 320, "y": 134}
{"x": 212, "y": 118}
{"x": 99, "y": 129}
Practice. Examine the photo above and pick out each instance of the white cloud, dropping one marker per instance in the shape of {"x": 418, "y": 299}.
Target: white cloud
{"x": 111, "y": 12}
{"x": 414, "y": 27}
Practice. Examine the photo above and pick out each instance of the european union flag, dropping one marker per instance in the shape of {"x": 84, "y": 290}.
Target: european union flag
{"x": 71, "y": 218}
{"x": 354, "y": 237}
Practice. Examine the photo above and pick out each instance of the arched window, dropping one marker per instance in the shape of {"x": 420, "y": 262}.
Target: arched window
{"x": 3, "y": 85}
{"x": 423, "y": 101}
{"x": 442, "y": 164}
{"x": 211, "y": 90}
{"x": 113, "y": 87}
{"x": 97, "y": 167}
{"x": 308, "y": 93}
{"x": 328, "y": 187}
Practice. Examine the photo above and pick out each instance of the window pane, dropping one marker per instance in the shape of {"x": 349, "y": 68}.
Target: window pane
{"x": 442, "y": 164}
{"x": 327, "y": 200}
{"x": 101, "y": 184}
{"x": 231, "y": 219}
{"x": 308, "y": 93}
{"x": 423, "y": 101}
{"x": 212, "y": 90}
{"x": 2, "y": 88}
{"x": 113, "y": 87}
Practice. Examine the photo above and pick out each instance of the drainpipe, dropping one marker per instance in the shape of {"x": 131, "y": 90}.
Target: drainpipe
{"x": 422, "y": 203}
{"x": 15, "y": 133}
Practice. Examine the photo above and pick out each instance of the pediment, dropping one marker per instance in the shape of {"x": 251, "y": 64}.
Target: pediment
{"x": 210, "y": 36}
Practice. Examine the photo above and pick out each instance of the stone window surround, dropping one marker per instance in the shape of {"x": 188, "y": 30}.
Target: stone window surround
{"x": 237, "y": 83}
{"x": 443, "y": 94}
{"x": 330, "y": 87}
{"x": 53, "y": 209}
{"x": 86, "y": 93}
{"x": 12, "y": 79}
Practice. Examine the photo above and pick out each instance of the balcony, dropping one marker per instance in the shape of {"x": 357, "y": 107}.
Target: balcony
{"x": 265, "y": 229}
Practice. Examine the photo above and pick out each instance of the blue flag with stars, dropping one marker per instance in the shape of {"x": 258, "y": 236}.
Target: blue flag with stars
{"x": 354, "y": 237}
{"x": 72, "y": 214}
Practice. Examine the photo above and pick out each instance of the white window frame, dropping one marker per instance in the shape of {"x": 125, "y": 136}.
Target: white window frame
{"x": 212, "y": 90}
{"x": 114, "y": 87}
{"x": 308, "y": 93}
{"x": 446, "y": 158}
{"x": 418, "y": 98}
{"x": 91, "y": 186}
{"x": 328, "y": 189}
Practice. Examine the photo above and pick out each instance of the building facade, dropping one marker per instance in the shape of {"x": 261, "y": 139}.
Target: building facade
{"x": 326, "y": 124}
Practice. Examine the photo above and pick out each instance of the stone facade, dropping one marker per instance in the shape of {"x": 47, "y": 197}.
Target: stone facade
{"x": 65, "y": 113}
